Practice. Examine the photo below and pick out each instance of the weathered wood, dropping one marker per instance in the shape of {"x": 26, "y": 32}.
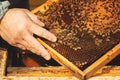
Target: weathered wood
{"x": 38, "y": 78}
{"x": 58, "y": 73}
{"x": 38, "y": 71}
{"x": 59, "y": 78}
{"x": 3, "y": 58}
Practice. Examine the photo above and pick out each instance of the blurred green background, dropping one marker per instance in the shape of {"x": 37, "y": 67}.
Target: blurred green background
{"x": 36, "y": 3}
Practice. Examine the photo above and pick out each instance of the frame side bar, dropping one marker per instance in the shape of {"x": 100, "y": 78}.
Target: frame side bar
{"x": 106, "y": 58}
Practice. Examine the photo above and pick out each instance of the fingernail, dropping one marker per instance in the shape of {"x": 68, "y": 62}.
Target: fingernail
{"x": 47, "y": 57}
{"x": 55, "y": 39}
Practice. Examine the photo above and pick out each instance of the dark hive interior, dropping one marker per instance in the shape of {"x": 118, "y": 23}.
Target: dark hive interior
{"x": 86, "y": 29}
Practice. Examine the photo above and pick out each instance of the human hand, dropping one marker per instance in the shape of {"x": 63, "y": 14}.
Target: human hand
{"x": 18, "y": 27}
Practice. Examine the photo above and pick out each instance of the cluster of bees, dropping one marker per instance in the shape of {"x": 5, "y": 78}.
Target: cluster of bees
{"x": 84, "y": 26}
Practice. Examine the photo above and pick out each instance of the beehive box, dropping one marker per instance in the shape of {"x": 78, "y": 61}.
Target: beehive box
{"x": 97, "y": 38}
{"x": 54, "y": 73}
{"x": 85, "y": 29}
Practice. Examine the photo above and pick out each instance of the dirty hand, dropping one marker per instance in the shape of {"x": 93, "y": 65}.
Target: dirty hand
{"x": 18, "y": 27}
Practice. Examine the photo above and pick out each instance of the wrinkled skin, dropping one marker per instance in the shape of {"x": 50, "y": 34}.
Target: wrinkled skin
{"x": 17, "y": 28}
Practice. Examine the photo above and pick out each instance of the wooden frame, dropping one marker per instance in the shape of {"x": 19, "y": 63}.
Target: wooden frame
{"x": 61, "y": 73}
{"x": 3, "y": 59}
{"x": 106, "y": 58}
{"x": 64, "y": 73}
{"x": 57, "y": 73}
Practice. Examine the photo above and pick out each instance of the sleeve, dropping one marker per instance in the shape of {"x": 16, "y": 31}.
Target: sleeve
{"x": 3, "y": 7}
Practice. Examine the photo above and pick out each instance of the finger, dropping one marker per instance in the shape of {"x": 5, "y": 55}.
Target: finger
{"x": 20, "y": 46}
{"x": 36, "y": 47}
{"x": 34, "y": 18}
{"x": 35, "y": 29}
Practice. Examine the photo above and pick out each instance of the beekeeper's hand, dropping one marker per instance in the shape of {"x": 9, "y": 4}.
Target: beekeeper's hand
{"x": 17, "y": 28}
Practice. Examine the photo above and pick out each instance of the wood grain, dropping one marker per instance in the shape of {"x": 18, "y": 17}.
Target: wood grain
{"x": 3, "y": 58}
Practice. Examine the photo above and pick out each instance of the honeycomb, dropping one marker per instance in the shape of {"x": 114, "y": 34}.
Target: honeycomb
{"x": 86, "y": 29}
